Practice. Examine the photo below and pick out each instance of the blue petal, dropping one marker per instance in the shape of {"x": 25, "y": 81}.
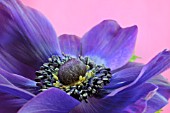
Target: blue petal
{"x": 109, "y": 44}
{"x": 119, "y": 81}
{"x": 163, "y": 84}
{"x": 123, "y": 77}
{"x": 10, "y": 64}
{"x": 70, "y": 44}
{"x": 17, "y": 92}
{"x": 18, "y": 81}
{"x": 7, "y": 87}
{"x": 157, "y": 65}
{"x": 138, "y": 107}
{"x": 10, "y": 104}
{"x": 114, "y": 104}
{"x": 11, "y": 97}
{"x": 50, "y": 101}
{"x": 128, "y": 65}
{"x": 156, "y": 103}
{"x": 160, "y": 99}
{"x": 3, "y": 80}
{"x": 26, "y": 34}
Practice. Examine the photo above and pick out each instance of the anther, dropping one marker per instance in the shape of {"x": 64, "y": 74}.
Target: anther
{"x": 80, "y": 78}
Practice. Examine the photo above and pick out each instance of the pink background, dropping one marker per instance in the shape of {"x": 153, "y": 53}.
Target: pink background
{"x": 77, "y": 16}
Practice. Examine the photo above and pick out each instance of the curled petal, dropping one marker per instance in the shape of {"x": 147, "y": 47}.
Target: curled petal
{"x": 123, "y": 77}
{"x": 163, "y": 84}
{"x": 156, "y": 103}
{"x": 157, "y": 65}
{"x": 114, "y": 104}
{"x": 109, "y": 44}
{"x": 137, "y": 107}
{"x": 155, "y": 100}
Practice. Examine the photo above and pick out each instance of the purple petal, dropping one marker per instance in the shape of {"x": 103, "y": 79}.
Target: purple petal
{"x": 156, "y": 103}
{"x": 12, "y": 65}
{"x": 123, "y": 77}
{"x": 159, "y": 100}
{"x": 157, "y": 65}
{"x": 26, "y": 34}
{"x": 50, "y": 101}
{"x": 120, "y": 80}
{"x": 128, "y": 65}
{"x": 109, "y": 44}
{"x": 18, "y": 81}
{"x": 70, "y": 44}
{"x": 10, "y": 104}
{"x": 114, "y": 104}
{"x": 7, "y": 87}
{"x": 163, "y": 84}
{"x": 10, "y": 89}
{"x": 3, "y": 80}
{"x": 137, "y": 107}
{"x": 140, "y": 106}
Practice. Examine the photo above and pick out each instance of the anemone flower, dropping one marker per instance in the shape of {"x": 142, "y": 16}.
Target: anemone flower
{"x": 43, "y": 73}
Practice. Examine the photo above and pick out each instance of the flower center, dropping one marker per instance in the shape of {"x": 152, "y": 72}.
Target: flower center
{"x": 70, "y": 72}
{"x": 78, "y": 77}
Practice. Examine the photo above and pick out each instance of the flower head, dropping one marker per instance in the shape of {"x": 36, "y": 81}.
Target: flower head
{"x": 40, "y": 72}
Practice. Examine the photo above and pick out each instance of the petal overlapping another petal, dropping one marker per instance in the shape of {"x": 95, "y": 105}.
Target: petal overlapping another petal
{"x": 10, "y": 104}
{"x": 107, "y": 43}
{"x": 19, "y": 81}
{"x": 70, "y": 44}
{"x": 50, "y": 101}
{"x": 114, "y": 104}
{"x": 26, "y": 35}
{"x": 157, "y": 65}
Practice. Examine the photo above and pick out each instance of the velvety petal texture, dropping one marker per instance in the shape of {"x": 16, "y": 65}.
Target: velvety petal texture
{"x": 114, "y": 103}
{"x": 51, "y": 101}
{"x": 7, "y": 87}
{"x": 10, "y": 104}
{"x": 163, "y": 84}
{"x": 19, "y": 81}
{"x": 157, "y": 65}
{"x": 12, "y": 98}
{"x": 124, "y": 77}
{"x": 160, "y": 99}
{"x": 137, "y": 107}
{"x": 109, "y": 44}
{"x": 70, "y": 44}
{"x": 10, "y": 64}
{"x": 156, "y": 103}
{"x": 27, "y": 40}
{"x": 26, "y": 35}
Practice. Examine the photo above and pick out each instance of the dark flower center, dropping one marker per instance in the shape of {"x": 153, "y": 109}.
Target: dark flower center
{"x": 78, "y": 77}
{"x": 70, "y": 72}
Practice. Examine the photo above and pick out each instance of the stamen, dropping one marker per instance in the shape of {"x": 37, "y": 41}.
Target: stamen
{"x": 80, "y": 78}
